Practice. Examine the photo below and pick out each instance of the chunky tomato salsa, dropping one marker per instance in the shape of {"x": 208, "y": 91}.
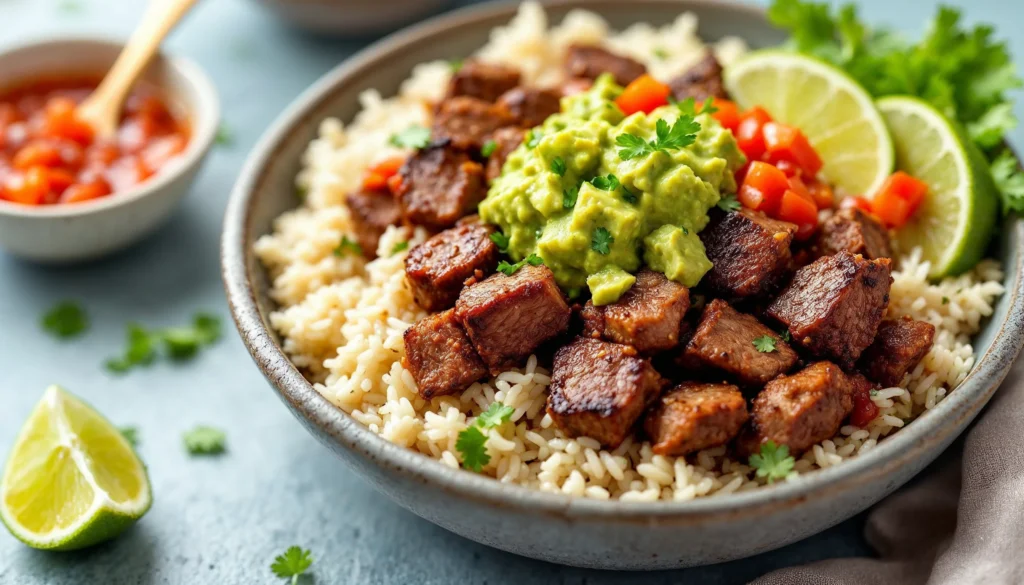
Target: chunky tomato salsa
{"x": 48, "y": 155}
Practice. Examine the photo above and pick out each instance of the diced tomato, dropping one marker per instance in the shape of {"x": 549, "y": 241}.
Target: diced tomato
{"x": 790, "y": 168}
{"x": 86, "y": 192}
{"x": 395, "y": 183}
{"x": 377, "y": 176}
{"x": 864, "y": 409}
{"x": 728, "y": 114}
{"x": 62, "y": 121}
{"x": 37, "y": 153}
{"x": 160, "y": 150}
{"x": 749, "y": 133}
{"x": 643, "y": 94}
{"x": 856, "y": 202}
{"x": 127, "y": 172}
{"x": 763, "y": 187}
{"x": 787, "y": 143}
{"x": 797, "y": 186}
{"x": 800, "y": 210}
{"x": 822, "y": 194}
{"x": 898, "y": 199}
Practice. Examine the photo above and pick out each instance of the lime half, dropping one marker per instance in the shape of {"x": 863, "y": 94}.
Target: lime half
{"x": 828, "y": 106}
{"x": 956, "y": 219}
{"x": 72, "y": 479}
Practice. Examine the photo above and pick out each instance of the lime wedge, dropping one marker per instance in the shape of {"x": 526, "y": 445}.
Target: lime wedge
{"x": 957, "y": 217}
{"x": 833, "y": 111}
{"x": 72, "y": 480}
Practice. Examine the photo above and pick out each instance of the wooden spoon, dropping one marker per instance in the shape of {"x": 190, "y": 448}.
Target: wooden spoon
{"x": 102, "y": 109}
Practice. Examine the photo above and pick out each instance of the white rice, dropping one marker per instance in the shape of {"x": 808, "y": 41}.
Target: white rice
{"x": 342, "y": 318}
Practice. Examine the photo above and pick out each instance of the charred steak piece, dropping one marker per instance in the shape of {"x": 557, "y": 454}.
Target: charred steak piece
{"x": 483, "y": 81}
{"x": 437, "y": 268}
{"x": 508, "y": 317}
{"x": 599, "y": 390}
{"x": 750, "y": 252}
{"x": 725, "y": 340}
{"x": 898, "y": 347}
{"x": 440, "y": 357}
{"x": 802, "y": 410}
{"x": 373, "y": 212}
{"x": 856, "y": 232}
{"x": 505, "y": 141}
{"x": 589, "y": 62}
{"x": 694, "y": 416}
{"x": 439, "y": 185}
{"x": 700, "y": 82}
{"x": 531, "y": 106}
{"x": 468, "y": 122}
{"x": 833, "y": 306}
{"x": 647, "y": 316}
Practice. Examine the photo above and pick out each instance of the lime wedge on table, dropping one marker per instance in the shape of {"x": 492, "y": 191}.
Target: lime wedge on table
{"x": 72, "y": 480}
{"x": 956, "y": 219}
{"x": 833, "y": 111}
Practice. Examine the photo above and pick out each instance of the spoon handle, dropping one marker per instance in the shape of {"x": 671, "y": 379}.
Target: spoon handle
{"x": 103, "y": 106}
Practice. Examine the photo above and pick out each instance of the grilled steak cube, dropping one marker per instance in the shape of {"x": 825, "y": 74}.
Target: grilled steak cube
{"x": 589, "y": 62}
{"x": 833, "y": 306}
{"x": 373, "y": 212}
{"x": 505, "y": 141}
{"x": 647, "y": 316}
{"x": 483, "y": 81}
{"x": 531, "y": 106}
{"x": 750, "y": 252}
{"x": 599, "y": 390}
{"x": 702, "y": 81}
{"x": 725, "y": 340}
{"x": 508, "y": 317}
{"x": 440, "y": 357}
{"x": 468, "y": 122}
{"x": 437, "y": 268}
{"x": 694, "y": 416}
{"x": 854, "y": 231}
{"x": 439, "y": 185}
{"x": 802, "y": 410}
{"x": 898, "y": 347}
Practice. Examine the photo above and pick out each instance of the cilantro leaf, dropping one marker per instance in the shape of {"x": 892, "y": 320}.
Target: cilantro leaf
{"x": 495, "y": 415}
{"x": 184, "y": 342}
{"x": 988, "y": 130}
{"x": 682, "y": 133}
{"x": 141, "y": 350}
{"x": 629, "y": 196}
{"x": 785, "y": 336}
{"x": 67, "y": 319}
{"x": 456, "y": 65}
{"x": 765, "y": 344}
{"x": 558, "y": 166}
{"x": 224, "y": 136}
{"x": 533, "y": 138}
{"x": 569, "y": 197}
{"x": 773, "y": 462}
{"x": 660, "y": 53}
{"x": 633, "y": 146}
{"x": 130, "y": 434}
{"x": 205, "y": 440}
{"x": 293, "y": 562}
{"x": 728, "y": 203}
{"x": 348, "y": 245}
{"x": 510, "y": 269}
{"x": 500, "y": 240}
{"x": 399, "y": 247}
{"x": 472, "y": 444}
{"x": 1009, "y": 180}
{"x": 414, "y": 136}
{"x": 488, "y": 148}
{"x": 534, "y": 260}
{"x": 607, "y": 183}
{"x": 601, "y": 241}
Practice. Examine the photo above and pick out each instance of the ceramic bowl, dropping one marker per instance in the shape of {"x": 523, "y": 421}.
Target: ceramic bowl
{"x": 351, "y": 17}
{"x": 562, "y": 529}
{"x": 88, "y": 230}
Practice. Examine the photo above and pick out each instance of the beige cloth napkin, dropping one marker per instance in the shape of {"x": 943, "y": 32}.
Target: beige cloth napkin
{"x": 961, "y": 524}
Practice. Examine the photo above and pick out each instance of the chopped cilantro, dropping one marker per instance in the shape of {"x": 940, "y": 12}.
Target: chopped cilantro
{"x": 1010, "y": 180}
{"x": 414, "y": 136}
{"x": 773, "y": 462}
{"x": 681, "y": 134}
{"x": 729, "y": 203}
{"x": 348, "y": 245}
{"x": 688, "y": 107}
{"x": 660, "y": 53}
{"x": 558, "y": 166}
{"x": 130, "y": 434}
{"x": 224, "y": 136}
{"x": 510, "y": 269}
{"x": 66, "y": 319}
{"x": 533, "y": 138}
{"x": 488, "y": 148}
{"x": 785, "y": 336}
{"x": 472, "y": 441}
{"x": 607, "y": 183}
{"x": 141, "y": 350}
{"x": 399, "y": 247}
{"x": 629, "y": 196}
{"x": 569, "y": 196}
{"x": 534, "y": 260}
{"x": 205, "y": 440}
{"x": 601, "y": 241}
{"x": 945, "y": 300}
{"x": 456, "y": 65}
{"x": 500, "y": 240}
{"x": 292, "y": 563}
{"x": 873, "y": 392}
{"x": 179, "y": 342}
{"x": 765, "y": 344}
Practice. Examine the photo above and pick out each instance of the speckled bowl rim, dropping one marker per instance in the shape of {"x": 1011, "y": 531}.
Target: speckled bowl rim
{"x": 910, "y": 443}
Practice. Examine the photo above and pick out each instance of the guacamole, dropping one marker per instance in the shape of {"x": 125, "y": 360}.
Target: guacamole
{"x": 566, "y": 195}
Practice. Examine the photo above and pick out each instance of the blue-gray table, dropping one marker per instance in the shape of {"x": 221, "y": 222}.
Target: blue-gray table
{"x": 222, "y": 520}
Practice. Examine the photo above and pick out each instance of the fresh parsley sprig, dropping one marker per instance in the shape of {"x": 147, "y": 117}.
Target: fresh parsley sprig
{"x": 765, "y": 344}
{"x": 601, "y": 241}
{"x": 292, "y": 563}
{"x": 773, "y": 462}
{"x": 472, "y": 441}
{"x": 681, "y": 134}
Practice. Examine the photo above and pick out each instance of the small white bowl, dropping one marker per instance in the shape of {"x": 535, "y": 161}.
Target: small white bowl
{"x": 351, "y": 17}
{"x": 83, "y": 231}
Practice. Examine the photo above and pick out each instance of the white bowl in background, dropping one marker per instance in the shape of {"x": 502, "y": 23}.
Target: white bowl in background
{"x": 84, "y": 231}
{"x": 358, "y": 17}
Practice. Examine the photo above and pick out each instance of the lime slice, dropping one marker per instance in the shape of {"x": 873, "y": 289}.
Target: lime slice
{"x": 833, "y": 111}
{"x": 957, "y": 217}
{"x": 72, "y": 480}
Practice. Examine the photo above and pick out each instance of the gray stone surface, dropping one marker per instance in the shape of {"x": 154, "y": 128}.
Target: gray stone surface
{"x": 222, "y": 520}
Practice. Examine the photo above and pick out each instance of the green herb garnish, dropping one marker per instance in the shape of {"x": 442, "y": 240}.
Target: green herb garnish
{"x": 130, "y": 434}
{"x": 728, "y": 203}
{"x": 765, "y": 344}
{"x": 179, "y": 342}
{"x": 688, "y": 107}
{"x": 488, "y": 148}
{"x": 500, "y": 240}
{"x": 785, "y": 336}
{"x": 773, "y": 462}
{"x": 945, "y": 300}
{"x": 292, "y": 563}
{"x": 569, "y": 197}
{"x": 224, "y": 136}
{"x": 607, "y": 183}
{"x": 629, "y": 196}
{"x": 510, "y": 269}
{"x": 348, "y": 245}
{"x": 660, "y": 53}
{"x": 601, "y": 241}
{"x": 399, "y": 247}
{"x": 681, "y": 134}
{"x": 66, "y": 319}
{"x": 472, "y": 441}
{"x": 558, "y": 166}
{"x": 205, "y": 440}
{"x": 533, "y": 138}
{"x": 414, "y": 137}
{"x": 456, "y": 65}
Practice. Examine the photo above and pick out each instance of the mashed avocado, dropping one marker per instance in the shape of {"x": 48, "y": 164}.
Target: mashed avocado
{"x": 567, "y": 196}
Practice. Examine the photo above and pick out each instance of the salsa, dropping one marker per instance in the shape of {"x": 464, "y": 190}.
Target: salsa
{"x": 49, "y": 156}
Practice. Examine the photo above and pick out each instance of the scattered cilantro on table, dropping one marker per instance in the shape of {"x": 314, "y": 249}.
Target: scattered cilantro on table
{"x": 601, "y": 241}
{"x": 510, "y": 269}
{"x": 292, "y": 563}
{"x": 348, "y": 245}
{"x": 399, "y": 247}
{"x": 728, "y": 203}
{"x": 765, "y": 344}
{"x": 414, "y": 136}
{"x": 66, "y": 319}
{"x": 773, "y": 462}
{"x": 224, "y": 136}
{"x": 179, "y": 343}
{"x": 472, "y": 441}
{"x": 205, "y": 440}
{"x": 682, "y": 133}
{"x": 488, "y": 148}
{"x": 500, "y": 240}
{"x": 130, "y": 434}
